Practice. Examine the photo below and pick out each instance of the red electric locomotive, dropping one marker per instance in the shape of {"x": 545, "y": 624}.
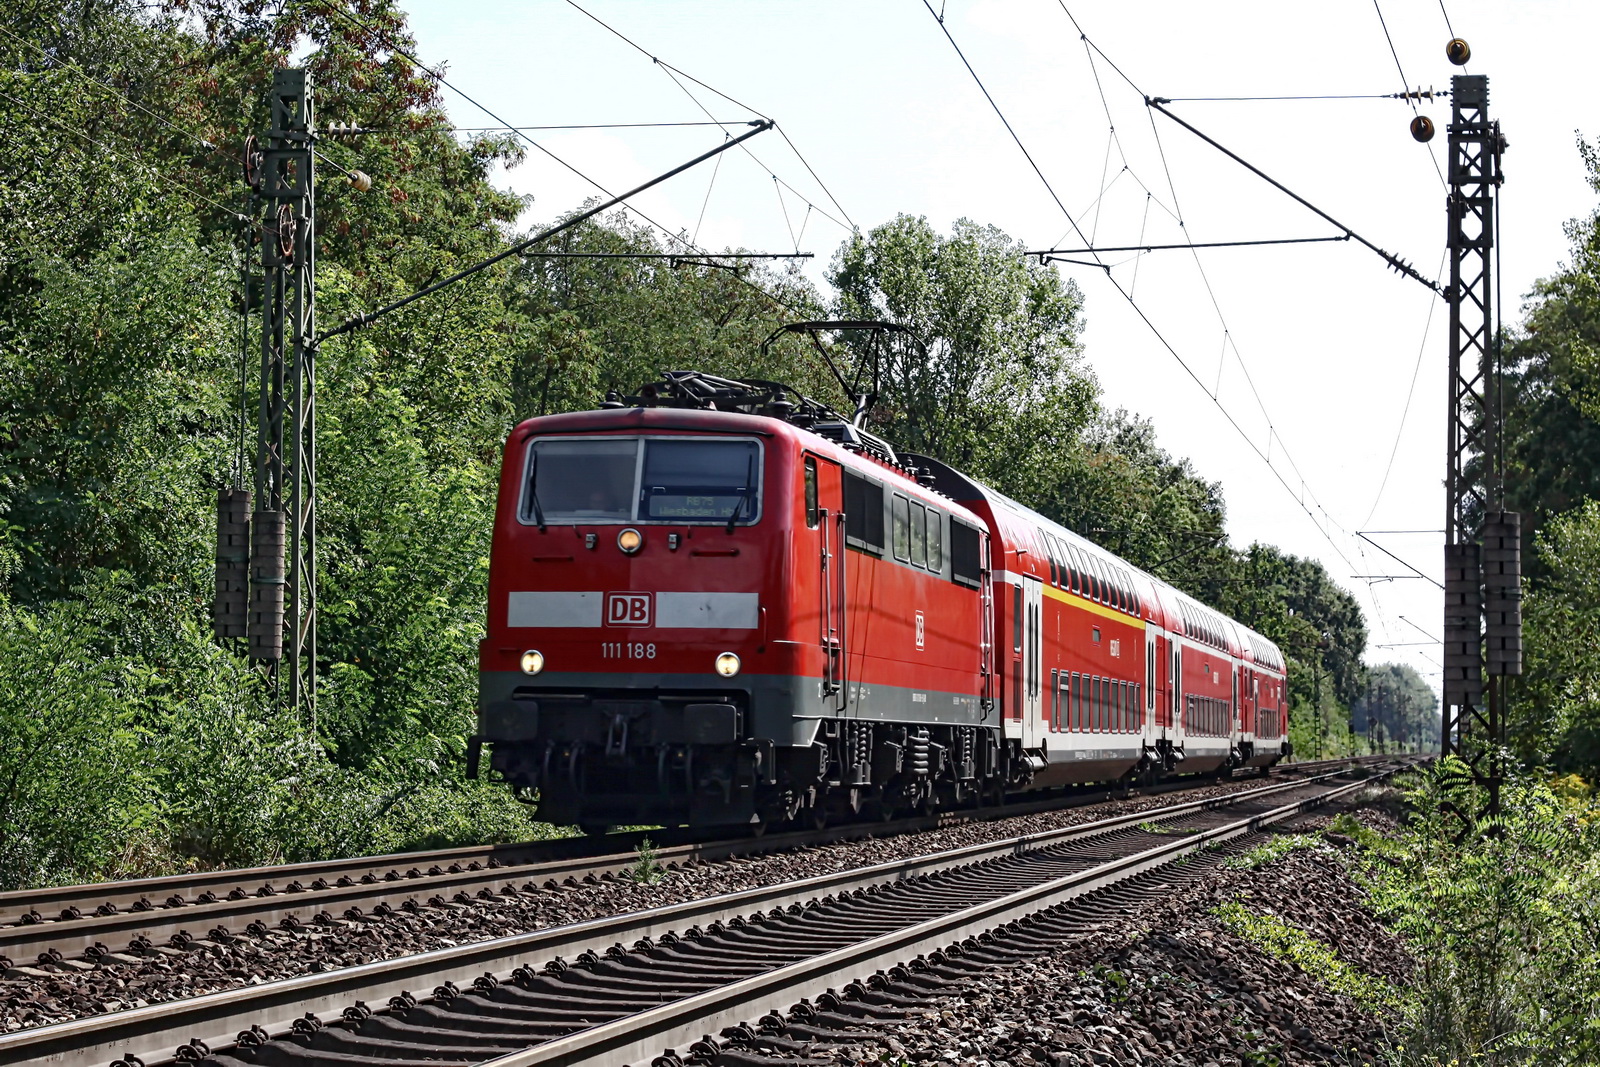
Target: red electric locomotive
{"x": 695, "y": 617}
{"x": 718, "y": 602}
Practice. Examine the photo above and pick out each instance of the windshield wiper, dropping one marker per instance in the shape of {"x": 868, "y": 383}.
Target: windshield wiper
{"x": 744, "y": 494}
{"x": 533, "y": 492}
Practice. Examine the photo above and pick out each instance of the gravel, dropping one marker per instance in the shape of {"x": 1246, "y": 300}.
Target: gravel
{"x": 46, "y": 993}
{"x": 1168, "y": 983}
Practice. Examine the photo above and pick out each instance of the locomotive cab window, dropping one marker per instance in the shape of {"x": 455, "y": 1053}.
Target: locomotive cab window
{"x": 631, "y": 479}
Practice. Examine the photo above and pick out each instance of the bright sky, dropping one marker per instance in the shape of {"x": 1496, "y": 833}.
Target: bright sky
{"x": 1311, "y": 349}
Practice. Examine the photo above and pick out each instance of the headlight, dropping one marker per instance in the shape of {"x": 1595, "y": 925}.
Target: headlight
{"x": 630, "y": 540}
{"x": 727, "y": 665}
{"x": 532, "y": 662}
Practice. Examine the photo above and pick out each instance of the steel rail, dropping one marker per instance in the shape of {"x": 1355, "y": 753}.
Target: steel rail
{"x": 641, "y": 1037}
{"x": 152, "y": 1032}
{"x": 207, "y": 900}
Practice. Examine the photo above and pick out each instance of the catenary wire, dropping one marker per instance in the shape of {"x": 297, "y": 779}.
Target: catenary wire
{"x": 1404, "y": 85}
{"x": 1406, "y": 410}
{"x": 131, "y": 155}
{"x": 129, "y": 101}
{"x": 1134, "y": 305}
{"x": 669, "y": 234}
{"x": 1161, "y": 337}
{"x": 672, "y": 70}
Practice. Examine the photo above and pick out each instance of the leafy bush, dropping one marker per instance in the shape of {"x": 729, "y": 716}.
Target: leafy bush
{"x": 72, "y": 780}
{"x": 1503, "y": 916}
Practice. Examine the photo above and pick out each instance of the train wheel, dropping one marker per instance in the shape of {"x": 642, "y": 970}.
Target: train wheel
{"x": 877, "y": 808}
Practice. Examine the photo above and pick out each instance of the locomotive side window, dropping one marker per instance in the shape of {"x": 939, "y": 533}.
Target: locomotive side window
{"x": 811, "y": 493}
{"x": 966, "y": 554}
{"x": 902, "y": 527}
{"x": 863, "y": 513}
{"x": 919, "y": 534}
{"x": 935, "y": 541}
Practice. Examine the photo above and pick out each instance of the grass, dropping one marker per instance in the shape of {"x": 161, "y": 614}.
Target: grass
{"x": 1272, "y": 851}
{"x": 1278, "y": 938}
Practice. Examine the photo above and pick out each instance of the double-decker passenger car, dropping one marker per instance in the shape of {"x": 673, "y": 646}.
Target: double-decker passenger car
{"x": 718, "y": 602}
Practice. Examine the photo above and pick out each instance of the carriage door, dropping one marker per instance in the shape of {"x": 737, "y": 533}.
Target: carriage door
{"x": 1033, "y": 661}
{"x": 1147, "y": 714}
{"x": 824, "y": 502}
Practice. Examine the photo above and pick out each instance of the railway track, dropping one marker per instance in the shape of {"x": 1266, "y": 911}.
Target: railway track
{"x": 578, "y": 992}
{"x": 116, "y": 918}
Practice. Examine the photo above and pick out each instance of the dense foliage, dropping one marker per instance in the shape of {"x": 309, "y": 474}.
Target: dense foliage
{"x": 1502, "y": 913}
{"x": 129, "y": 740}
{"x": 1553, "y": 462}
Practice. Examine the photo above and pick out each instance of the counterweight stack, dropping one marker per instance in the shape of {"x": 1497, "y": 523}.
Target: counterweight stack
{"x": 231, "y": 605}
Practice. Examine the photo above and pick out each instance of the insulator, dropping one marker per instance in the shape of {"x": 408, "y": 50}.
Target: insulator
{"x": 361, "y": 180}
{"x": 230, "y": 606}
{"x": 1422, "y": 128}
{"x": 266, "y": 593}
{"x": 1458, "y": 52}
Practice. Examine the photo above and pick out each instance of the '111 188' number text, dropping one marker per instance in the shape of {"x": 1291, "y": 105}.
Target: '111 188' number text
{"x": 627, "y": 650}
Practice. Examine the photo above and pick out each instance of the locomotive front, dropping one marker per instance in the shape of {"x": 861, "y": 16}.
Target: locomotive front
{"x": 631, "y": 671}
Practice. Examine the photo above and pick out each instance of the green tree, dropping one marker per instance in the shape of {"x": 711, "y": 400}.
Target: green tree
{"x": 1556, "y": 716}
{"x": 1002, "y": 391}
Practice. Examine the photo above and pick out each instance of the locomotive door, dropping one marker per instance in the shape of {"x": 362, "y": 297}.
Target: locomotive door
{"x": 1032, "y": 661}
{"x": 825, "y": 511}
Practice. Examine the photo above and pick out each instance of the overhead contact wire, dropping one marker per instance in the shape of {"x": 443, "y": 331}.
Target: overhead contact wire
{"x": 1226, "y": 414}
{"x": 671, "y": 70}
{"x": 669, "y": 234}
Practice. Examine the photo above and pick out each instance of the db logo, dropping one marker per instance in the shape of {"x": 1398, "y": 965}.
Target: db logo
{"x": 627, "y": 609}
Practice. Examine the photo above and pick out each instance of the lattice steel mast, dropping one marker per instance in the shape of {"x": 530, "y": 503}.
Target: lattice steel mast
{"x": 283, "y": 603}
{"x": 1482, "y": 540}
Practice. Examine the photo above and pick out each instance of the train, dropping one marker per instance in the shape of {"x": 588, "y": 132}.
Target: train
{"x": 716, "y": 602}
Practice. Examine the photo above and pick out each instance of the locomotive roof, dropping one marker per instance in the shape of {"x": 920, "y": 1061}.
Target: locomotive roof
{"x": 647, "y": 419}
